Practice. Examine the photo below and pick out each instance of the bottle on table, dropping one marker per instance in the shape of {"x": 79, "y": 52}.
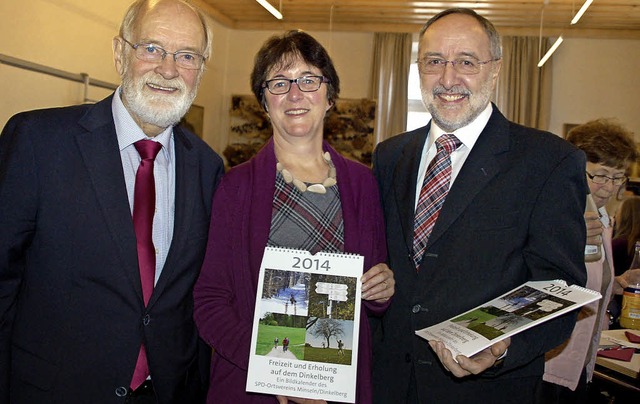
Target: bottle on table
{"x": 630, "y": 313}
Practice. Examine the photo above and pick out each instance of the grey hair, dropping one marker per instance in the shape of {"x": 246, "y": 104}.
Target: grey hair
{"x": 489, "y": 28}
{"x": 138, "y": 7}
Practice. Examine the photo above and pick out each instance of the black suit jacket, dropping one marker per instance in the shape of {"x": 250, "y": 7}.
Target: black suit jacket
{"x": 72, "y": 314}
{"x": 514, "y": 213}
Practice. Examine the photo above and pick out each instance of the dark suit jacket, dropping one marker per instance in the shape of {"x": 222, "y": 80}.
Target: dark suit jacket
{"x": 514, "y": 213}
{"x": 72, "y": 316}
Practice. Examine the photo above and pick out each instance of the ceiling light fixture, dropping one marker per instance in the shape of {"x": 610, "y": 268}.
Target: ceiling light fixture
{"x": 550, "y": 51}
{"x": 584, "y": 8}
{"x": 271, "y": 9}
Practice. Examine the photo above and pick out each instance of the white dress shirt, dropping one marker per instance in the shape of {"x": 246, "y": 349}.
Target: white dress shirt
{"x": 468, "y": 135}
{"x": 164, "y": 173}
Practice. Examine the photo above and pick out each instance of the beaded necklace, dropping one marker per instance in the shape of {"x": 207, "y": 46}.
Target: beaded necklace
{"x": 320, "y": 188}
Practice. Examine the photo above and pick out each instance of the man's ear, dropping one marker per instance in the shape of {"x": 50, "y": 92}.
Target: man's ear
{"x": 496, "y": 71}
{"x": 118, "y": 55}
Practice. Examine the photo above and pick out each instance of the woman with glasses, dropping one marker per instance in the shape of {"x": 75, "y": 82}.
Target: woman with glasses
{"x": 297, "y": 192}
{"x": 610, "y": 151}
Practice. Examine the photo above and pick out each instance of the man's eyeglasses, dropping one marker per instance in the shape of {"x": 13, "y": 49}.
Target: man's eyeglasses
{"x": 467, "y": 65}
{"x": 603, "y": 179}
{"x": 153, "y": 53}
{"x": 306, "y": 84}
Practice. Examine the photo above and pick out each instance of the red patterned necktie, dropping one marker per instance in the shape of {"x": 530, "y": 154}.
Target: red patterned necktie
{"x": 432, "y": 194}
{"x": 144, "y": 204}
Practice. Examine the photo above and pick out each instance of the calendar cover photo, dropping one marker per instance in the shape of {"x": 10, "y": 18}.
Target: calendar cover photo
{"x": 305, "y": 330}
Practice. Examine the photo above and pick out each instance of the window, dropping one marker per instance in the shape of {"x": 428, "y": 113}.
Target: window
{"x": 417, "y": 115}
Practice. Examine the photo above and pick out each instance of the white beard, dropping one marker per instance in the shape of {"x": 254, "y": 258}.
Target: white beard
{"x": 157, "y": 109}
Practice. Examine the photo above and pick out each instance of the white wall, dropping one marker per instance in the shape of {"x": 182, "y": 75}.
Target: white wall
{"x": 75, "y": 36}
{"x": 63, "y": 34}
{"x": 592, "y": 78}
{"x": 596, "y": 78}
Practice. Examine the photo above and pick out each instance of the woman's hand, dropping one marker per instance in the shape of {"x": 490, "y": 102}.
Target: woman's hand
{"x": 629, "y": 277}
{"x": 594, "y": 228}
{"x": 378, "y": 284}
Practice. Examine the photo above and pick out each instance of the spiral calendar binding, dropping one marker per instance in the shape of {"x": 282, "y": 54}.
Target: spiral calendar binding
{"x": 306, "y": 252}
{"x": 577, "y": 287}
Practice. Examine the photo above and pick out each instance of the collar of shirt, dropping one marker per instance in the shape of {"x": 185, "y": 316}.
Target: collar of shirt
{"x": 129, "y": 132}
{"x": 468, "y": 135}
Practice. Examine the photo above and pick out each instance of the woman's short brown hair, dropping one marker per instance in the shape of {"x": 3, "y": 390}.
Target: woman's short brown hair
{"x": 280, "y": 51}
{"x": 605, "y": 142}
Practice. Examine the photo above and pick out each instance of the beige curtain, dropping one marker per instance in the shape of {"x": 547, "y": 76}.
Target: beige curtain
{"x": 523, "y": 92}
{"x": 391, "y": 60}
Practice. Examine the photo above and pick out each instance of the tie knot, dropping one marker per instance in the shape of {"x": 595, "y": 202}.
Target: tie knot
{"x": 147, "y": 149}
{"x": 449, "y": 142}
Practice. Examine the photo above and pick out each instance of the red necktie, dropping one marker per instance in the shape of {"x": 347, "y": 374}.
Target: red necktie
{"x": 144, "y": 204}
{"x": 432, "y": 194}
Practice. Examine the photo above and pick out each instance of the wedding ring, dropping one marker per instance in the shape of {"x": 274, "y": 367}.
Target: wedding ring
{"x": 386, "y": 285}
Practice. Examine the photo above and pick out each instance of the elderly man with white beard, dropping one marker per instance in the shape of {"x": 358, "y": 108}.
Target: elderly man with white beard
{"x": 104, "y": 215}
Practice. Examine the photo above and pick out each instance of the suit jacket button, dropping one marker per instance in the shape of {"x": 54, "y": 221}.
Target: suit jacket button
{"x": 121, "y": 391}
{"x": 416, "y": 308}
{"x": 407, "y": 358}
{"x": 146, "y": 320}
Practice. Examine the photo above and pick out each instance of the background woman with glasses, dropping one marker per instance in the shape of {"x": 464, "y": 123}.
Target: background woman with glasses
{"x": 297, "y": 192}
{"x": 610, "y": 151}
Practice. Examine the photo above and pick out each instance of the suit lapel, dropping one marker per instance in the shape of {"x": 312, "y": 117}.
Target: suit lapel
{"x": 480, "y": 167}
{"x": 186, "y": 167}
{"x": 405, "y": 188}
{"x": 101, "y": 155}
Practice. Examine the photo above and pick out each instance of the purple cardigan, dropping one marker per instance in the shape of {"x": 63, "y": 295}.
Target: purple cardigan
{"x": 225, "y": 293}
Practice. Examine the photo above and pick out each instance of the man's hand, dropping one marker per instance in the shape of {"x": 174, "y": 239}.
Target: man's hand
{"x": 477, "y": 364}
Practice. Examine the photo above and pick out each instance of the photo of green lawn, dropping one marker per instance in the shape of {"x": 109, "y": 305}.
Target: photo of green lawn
{"x": 268, "y": 333}
{"x": 327, "y": 355}
{"x": 490, "y": 322}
